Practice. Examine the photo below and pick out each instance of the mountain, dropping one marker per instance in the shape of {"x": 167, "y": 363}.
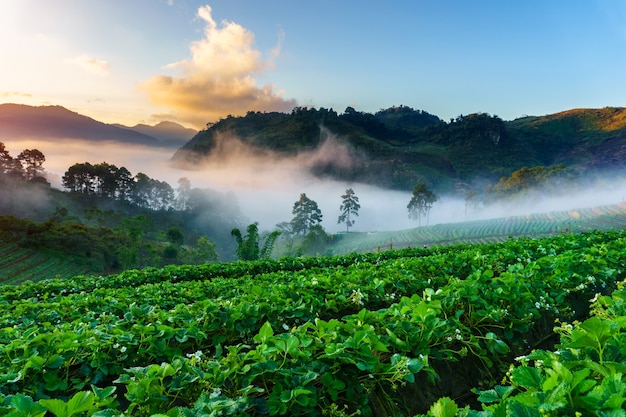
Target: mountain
{"x": 168, "y": 133}
{"x": 400, "y": 146}
{"x": 18, "y": 121}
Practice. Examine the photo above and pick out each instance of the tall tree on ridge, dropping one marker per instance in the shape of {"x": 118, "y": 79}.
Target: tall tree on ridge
{"x": 306, "y": 215}
{"x": 421, "y": 203}
{"x": 349, "y": 207}
{"x": 32, "y": 161}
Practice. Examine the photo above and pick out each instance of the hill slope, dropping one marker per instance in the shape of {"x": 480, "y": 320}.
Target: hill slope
{"x": 19, "y": 121}
{"x": 398, "y": 147}
{"x": 604, "y": 218}
{"x": 18, "y": 264}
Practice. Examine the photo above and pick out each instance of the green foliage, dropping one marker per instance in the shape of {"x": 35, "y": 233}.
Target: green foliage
{"x": 306, "y": 215}
{"x": 316, "y": 241}
{"x": 553, "y": 179}
{"x": 401, "y": 145}
{"x": 21, "y": 264}
{"x": 249, "y": 247}
{"x": 421, "y": 202}
{"x": 349, "y": 207}
{"x": 375, "y": 334}
{"x": 175, "y": 236}
{"x": 203, "y": 251}
{"x": 583, "y": 376}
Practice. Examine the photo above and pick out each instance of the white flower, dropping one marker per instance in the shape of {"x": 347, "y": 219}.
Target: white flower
{"x": 357, "y": 297}
{"x": 215, "y": 393}
{"x": 123, "y": 349}
{"x": 285, "y": 326}
{"x": 196, "y": 355}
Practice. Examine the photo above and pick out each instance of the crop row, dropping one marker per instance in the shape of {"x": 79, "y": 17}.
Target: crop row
{"x": 583, "y": 375}
{"x": 354, "y": 336}
{"x": 605, "y": 218}
{"x": 20, "y": 264}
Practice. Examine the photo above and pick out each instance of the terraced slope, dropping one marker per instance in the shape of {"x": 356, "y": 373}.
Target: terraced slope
{"x": 602, "y": 218}
{"x": 18, "y": 264}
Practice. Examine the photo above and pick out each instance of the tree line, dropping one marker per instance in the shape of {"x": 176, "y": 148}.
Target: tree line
{"x": 107, "y": 180}
{"x": 306, "y": 225}
{"x": 28, "y": 165}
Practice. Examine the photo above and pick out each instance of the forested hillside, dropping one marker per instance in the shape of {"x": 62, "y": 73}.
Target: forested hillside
{"x": 107, "y": 219}
{"x": 400, "y": 146}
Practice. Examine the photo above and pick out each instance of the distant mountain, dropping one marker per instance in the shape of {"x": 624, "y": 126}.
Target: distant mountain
{"x": 18, "y": 121}
{"x": 400, "y": 146}
{"x": 169, "y": 133}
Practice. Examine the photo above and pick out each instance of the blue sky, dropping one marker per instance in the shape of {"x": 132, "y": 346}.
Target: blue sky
{"x": 132, "y": 61}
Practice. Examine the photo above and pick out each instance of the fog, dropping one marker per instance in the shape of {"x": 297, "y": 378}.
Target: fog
{"x": 266, "y": 186}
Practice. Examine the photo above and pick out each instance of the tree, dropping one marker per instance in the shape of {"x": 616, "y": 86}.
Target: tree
{"x": 421, "y": 202}
{"x": 8, "y": 165}
{"x": 306, "y": 215}
{"x": 315, "y": 241}
{"x": 204, "y": 251}
{"x": 175, "y": 236}
{"x": 125, "y": 182}
{"x": 349, "y": 207}
{"x": 5, "y": 160}
{"x": 79, "y": 178}
{"x": 249, "y": 247}
{"x": 105, "y": 179}
{"x": 152, "y": 194}
{"x": 134, "y": 228}
{"x": 182, "y": 193}
{"x": 32, "y": 161}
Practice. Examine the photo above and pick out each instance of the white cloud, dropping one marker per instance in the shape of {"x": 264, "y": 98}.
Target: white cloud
{"x": 219, "y": 78}
{"x": 93, "y": 65}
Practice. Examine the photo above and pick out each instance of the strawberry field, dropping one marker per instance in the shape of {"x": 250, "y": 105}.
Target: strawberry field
{"x": 604, "y": 218}
{"x": 444, "y": 331}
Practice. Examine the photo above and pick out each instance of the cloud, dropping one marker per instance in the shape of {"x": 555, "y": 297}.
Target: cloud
{"x": 10, "y": 94}
{"x": 93, "y": 65}
{"x": 219, "y": 79}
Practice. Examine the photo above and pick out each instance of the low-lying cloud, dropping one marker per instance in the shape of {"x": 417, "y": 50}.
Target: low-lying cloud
{"x": 219, "y": 78}
{"x": 266, "y": 185}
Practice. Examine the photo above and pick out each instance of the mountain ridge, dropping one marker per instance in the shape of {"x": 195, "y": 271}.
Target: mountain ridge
{"x": 20, "y": 121}
{"x": 393, "y": 148}
{"x": 401, "y": 146}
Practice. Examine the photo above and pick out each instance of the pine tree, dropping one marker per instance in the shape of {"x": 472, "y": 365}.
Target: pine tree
{"x": 349, "y": 207}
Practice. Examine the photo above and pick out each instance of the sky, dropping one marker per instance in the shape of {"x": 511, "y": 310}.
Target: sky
{"x": 194, "y": 62}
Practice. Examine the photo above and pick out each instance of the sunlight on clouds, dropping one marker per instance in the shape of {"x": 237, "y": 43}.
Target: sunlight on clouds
{"x": 92, "y": 65}
{"x": 219, "y": 78}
